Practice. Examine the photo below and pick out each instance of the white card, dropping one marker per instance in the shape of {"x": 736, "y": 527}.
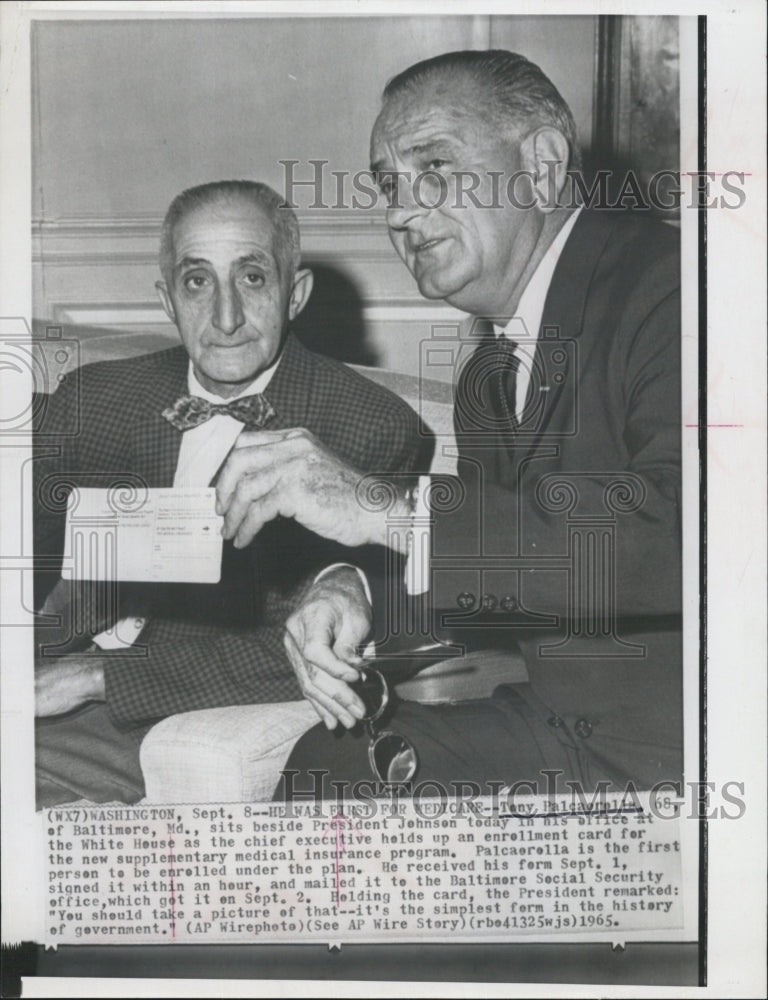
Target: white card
{"x": 153, "y": 535}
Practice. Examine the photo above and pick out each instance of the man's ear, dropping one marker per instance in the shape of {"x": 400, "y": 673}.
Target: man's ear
{"x": 545, "y": 154}
{"x": 165, "y": 300}
{"x": 300, "y": 292}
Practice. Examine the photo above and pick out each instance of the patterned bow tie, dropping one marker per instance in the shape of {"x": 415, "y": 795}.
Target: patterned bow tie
{"x": 191, "y": 411}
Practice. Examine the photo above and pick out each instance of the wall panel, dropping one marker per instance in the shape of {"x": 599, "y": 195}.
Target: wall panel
{"x": 128, "y": 113}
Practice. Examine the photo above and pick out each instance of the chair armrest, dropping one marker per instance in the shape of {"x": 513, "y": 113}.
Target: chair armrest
{"x": 222, "y": 754}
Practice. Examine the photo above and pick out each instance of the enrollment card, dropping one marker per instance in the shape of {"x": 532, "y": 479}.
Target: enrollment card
{"x": 160, "y": 535}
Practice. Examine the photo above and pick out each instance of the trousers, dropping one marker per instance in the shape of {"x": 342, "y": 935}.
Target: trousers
{"x": 507, "y": 738}
{"x": 83, "y": 755}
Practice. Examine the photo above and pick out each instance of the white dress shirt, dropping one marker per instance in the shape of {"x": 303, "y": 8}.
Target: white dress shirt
{"x": 523, "y": 328}
{"x": 204, "y": 448}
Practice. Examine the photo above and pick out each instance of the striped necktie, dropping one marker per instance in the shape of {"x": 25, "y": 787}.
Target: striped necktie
{"x": 504, "y": 365}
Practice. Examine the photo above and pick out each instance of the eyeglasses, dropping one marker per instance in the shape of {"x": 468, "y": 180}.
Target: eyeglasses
{"x": 392, "y": 758}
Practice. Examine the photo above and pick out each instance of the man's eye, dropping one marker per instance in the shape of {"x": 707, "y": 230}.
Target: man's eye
{"x": 436, "y": 164}
{"x": 254, "y": 279}
{"x": 387, "y": 185}
{"x": 194, "y": 282}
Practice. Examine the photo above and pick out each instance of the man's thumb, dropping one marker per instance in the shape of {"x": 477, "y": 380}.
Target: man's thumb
{"x": 345, "y": 649}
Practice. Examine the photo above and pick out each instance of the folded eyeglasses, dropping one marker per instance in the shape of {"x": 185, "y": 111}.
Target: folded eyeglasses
{"x": 392, "y": 757}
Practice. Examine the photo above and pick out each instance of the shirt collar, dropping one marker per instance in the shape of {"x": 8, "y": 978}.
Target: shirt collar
{"x": 531, "y": 306}
{"x": 258, "y": 385}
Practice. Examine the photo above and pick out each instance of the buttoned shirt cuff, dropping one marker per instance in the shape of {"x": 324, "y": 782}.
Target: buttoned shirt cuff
{"x": 122, "y": 635}
{"x": 341, "y": 565}
{"x": 417, "y": 563}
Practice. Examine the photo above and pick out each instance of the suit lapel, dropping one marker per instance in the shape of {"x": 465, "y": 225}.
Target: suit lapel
{"x": 562, "y": 321}
{"x": 556, "y": 366}
{"x": 291, "y": 387}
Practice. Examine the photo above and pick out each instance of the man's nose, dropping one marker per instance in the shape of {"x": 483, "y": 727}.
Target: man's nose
{"x": 407, "y": 203}
{"x": 228, "y": 310}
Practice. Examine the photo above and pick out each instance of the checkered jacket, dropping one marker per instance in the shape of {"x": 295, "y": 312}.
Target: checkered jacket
{"x": 207, "y": 645}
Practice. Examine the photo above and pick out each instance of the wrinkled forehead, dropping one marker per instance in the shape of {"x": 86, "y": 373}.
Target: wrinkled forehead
{"x": 225, "y": 220}
{"x": 443, "y": 103}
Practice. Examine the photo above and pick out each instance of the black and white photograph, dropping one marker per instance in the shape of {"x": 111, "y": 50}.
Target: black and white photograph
{"x": 382, "y": 432}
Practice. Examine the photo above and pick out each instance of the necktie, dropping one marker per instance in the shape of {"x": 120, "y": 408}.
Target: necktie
{"x": 191, "y": 411}
{"x": 502, "y": 381}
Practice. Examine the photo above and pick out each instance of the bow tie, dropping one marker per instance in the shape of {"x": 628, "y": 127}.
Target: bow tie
{"x": 191, "y": 411}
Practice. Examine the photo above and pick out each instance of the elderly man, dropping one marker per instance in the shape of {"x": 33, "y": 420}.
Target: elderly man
{"x": 563, "y": 532}
{"x": 231, "y": 282}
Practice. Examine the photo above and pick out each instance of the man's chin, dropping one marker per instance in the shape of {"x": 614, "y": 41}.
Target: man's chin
{"x": 445, "y": 291}
{"x": 225, "y": 381}
{"x": 431, "y": 287}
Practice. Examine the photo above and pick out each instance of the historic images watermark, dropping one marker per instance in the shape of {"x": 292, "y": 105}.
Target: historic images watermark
{"x": 312, "y": 185}
{"x": 545, "y": 795}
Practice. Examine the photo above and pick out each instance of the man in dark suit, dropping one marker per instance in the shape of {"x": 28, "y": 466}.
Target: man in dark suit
{"x": 562, "y": 534}
{"x": 231, "y": 283}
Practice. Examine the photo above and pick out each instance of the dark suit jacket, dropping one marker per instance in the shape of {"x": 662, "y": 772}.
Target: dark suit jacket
{"x": 568, "y": 539}
{"x": 207, "y": 645}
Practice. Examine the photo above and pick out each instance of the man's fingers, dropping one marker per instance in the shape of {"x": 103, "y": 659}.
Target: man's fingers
{"x": 248, "y": 516}
{"x": 244, "y": 461}
{"x": 329, "y": 711}
{"x": 251, "y": 439}
{"x": 312, "y": 630}
{"x": 321, "y": 639}
{"x": 254, "y": 452}
{"x": 251, "y": 487}
{"x": 329, "y": 721}
{"x": 347, "y": 653}
{"x": 317, "y": 652}
{"x": 326, "y": 693}
{"x": 336, "y": 696}
{"x": 333, "y": 703}
{"x": 256, "y": 516}
{"x": 353, "y": 632}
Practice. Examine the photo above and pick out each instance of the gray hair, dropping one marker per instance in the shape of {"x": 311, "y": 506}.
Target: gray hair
{"x": 520, "y": 96}
{"x": 282, "y": 216}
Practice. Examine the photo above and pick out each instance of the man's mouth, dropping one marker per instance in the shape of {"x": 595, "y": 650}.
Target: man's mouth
{"x": 426, "y": 245}
{"x": 233, "y": 346}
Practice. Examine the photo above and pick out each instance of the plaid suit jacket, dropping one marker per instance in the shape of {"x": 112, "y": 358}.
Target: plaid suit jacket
{"x": 207, "y": 645}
